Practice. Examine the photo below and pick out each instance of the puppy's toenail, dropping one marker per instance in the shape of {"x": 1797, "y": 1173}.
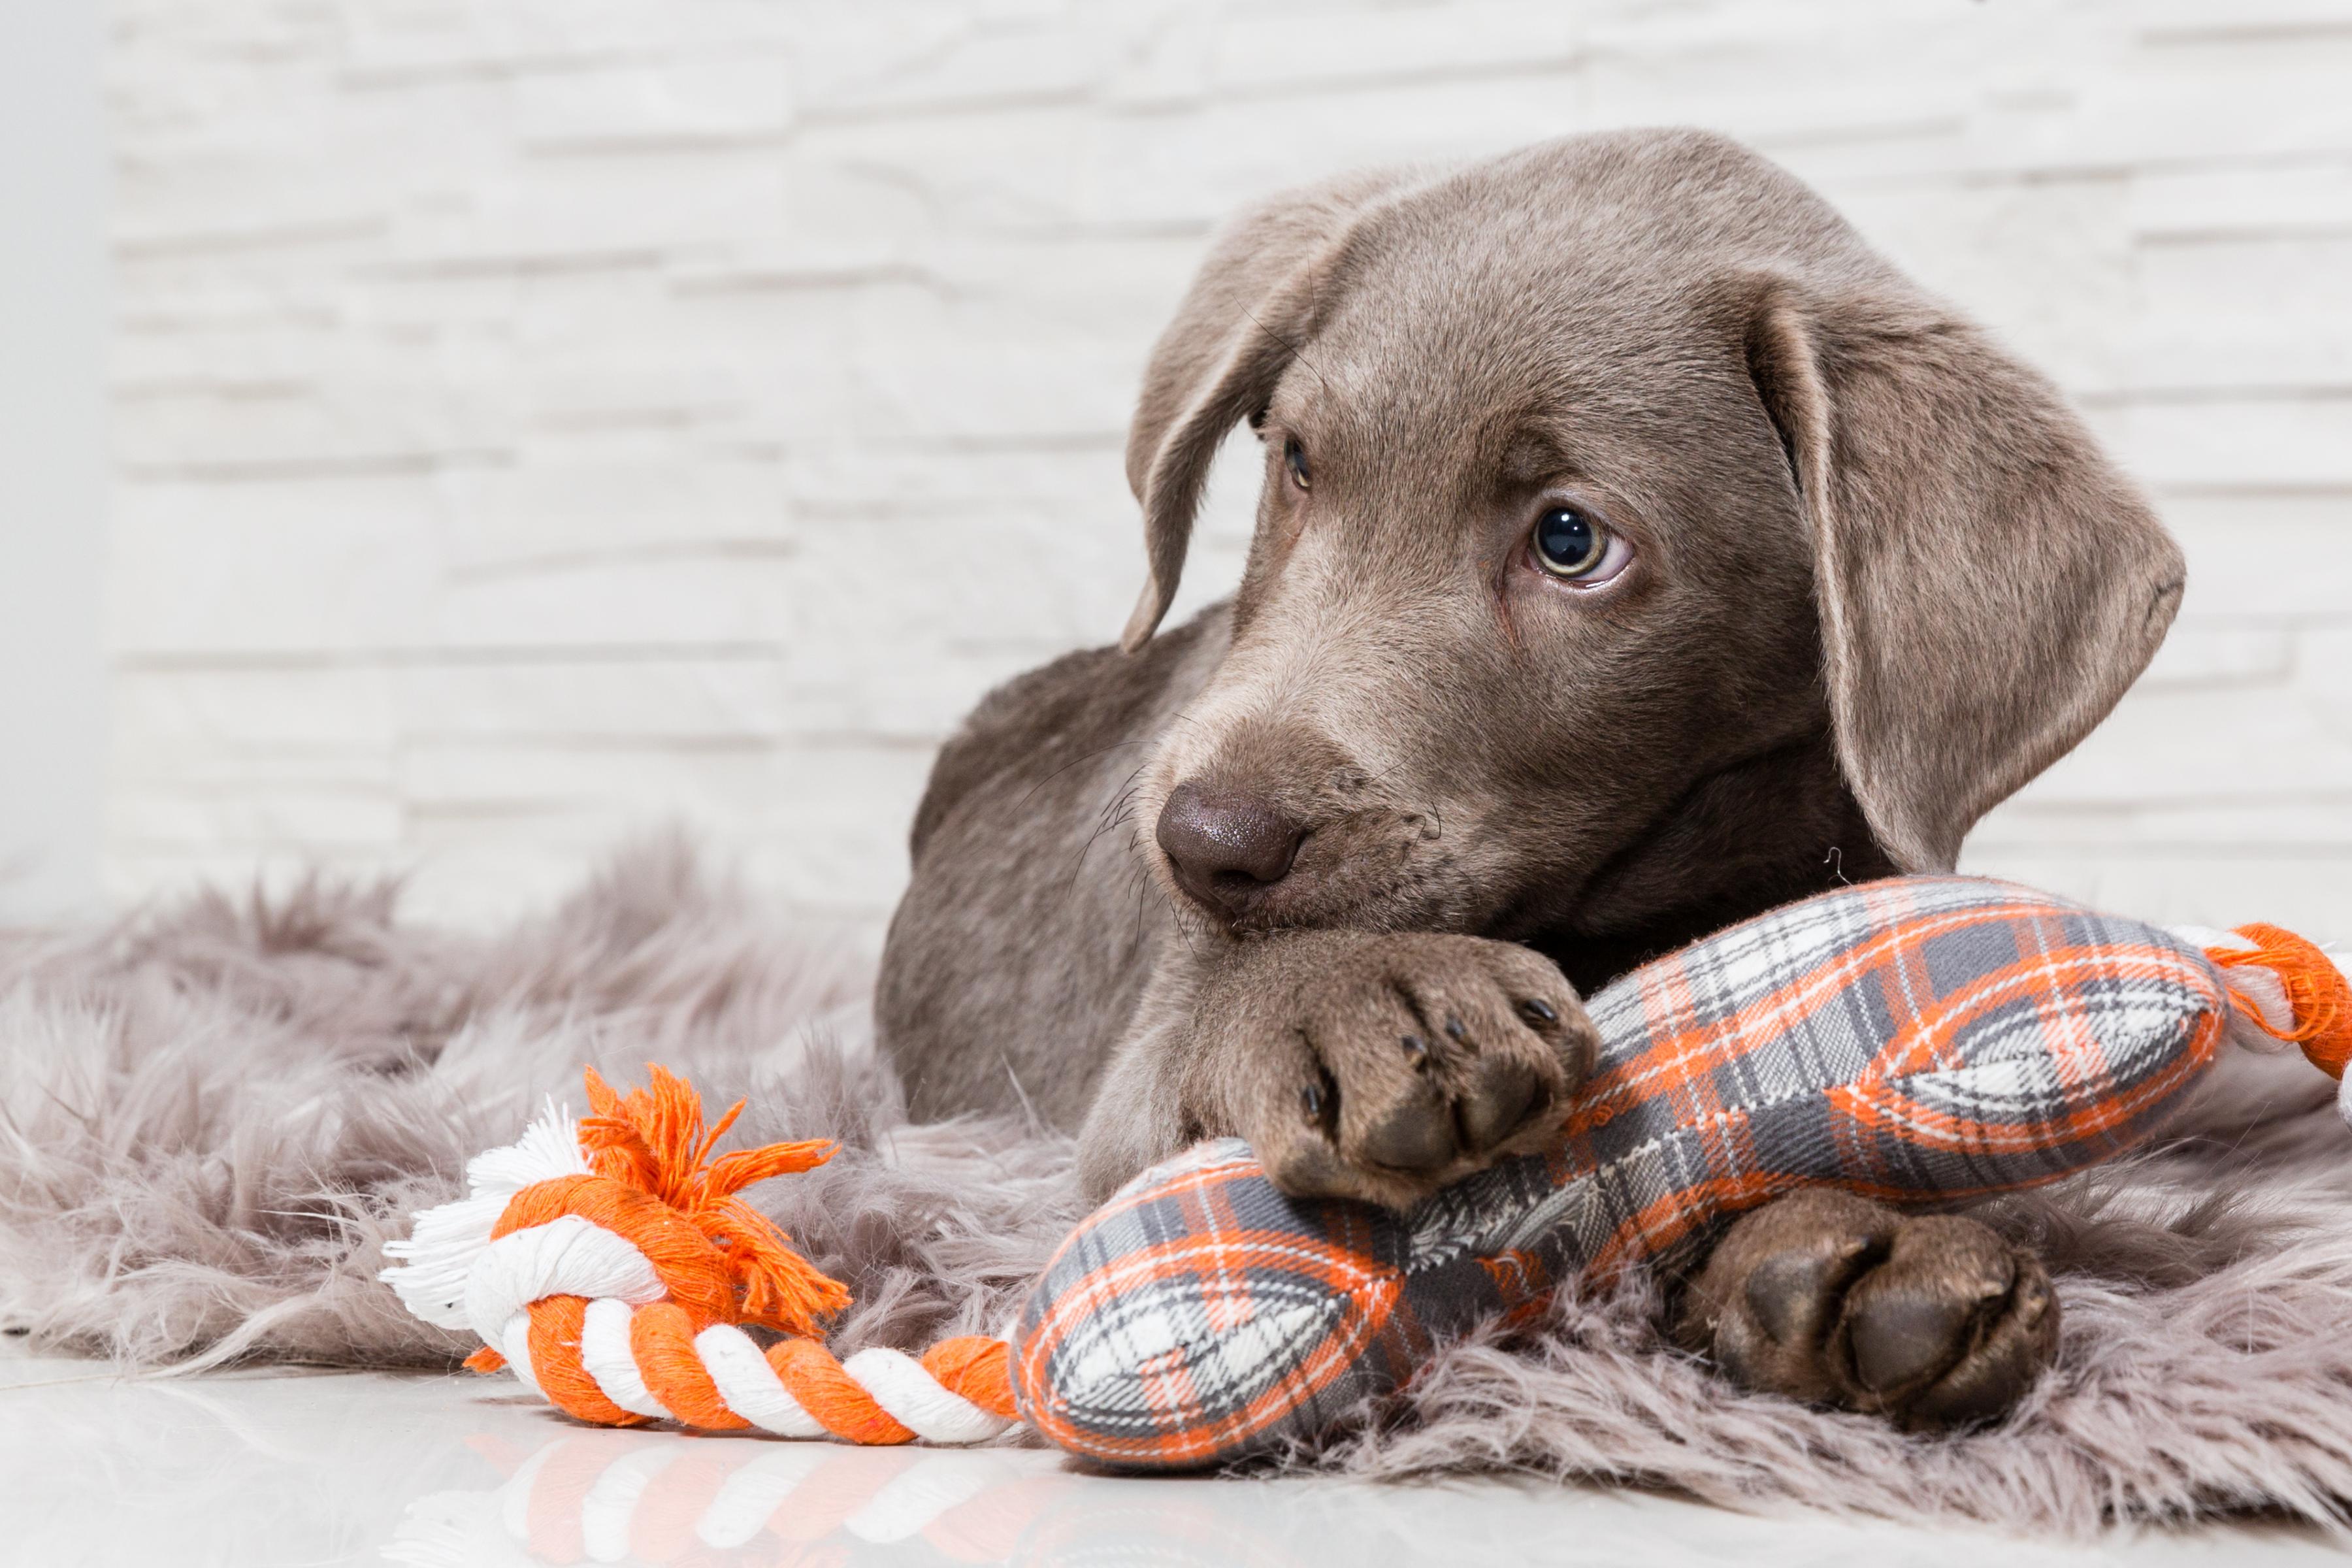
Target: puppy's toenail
{"x": 1312, "y": 1098}
{"x": 1539, "y": 1010}
{"x": 1416, "y": 1050}
{"x": 1454, "y": 1029}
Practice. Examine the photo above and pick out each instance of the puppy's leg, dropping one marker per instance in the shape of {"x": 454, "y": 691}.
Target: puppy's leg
{"x": 1932, "y": 1320}
{"x": 1358, "y": 1064}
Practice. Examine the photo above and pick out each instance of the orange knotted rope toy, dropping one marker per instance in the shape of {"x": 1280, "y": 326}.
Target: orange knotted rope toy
{"x": 612, "y": 1267}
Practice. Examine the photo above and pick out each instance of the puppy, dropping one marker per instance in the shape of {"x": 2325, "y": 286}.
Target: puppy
{"x": 1637, "y": 551}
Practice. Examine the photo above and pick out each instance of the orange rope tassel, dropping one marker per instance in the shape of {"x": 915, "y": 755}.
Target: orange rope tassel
{"x": 2316, "y": 992}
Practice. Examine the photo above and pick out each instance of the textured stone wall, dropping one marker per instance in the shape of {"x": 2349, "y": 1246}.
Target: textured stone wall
{"x": 538, "y": 417}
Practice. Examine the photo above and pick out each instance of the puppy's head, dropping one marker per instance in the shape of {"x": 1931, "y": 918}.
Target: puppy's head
{"x": 1594, "y": 474}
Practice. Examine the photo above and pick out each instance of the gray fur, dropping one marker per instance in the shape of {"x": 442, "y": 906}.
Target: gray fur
{"x": 215, "y": 1113}
{"x": 213, "y": 1116}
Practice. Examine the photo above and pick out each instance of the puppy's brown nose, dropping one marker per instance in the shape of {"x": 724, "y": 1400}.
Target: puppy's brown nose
{"x": 1226, "y": 848}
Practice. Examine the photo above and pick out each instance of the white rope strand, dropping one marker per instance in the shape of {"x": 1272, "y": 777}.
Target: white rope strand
{"x": 749, "y": 1386}
{"x": 567, "y": 1256}
{"x": 605, "y": 1351}
{"x": 916, "y": 1401}
{"x": 747, "y": 1383}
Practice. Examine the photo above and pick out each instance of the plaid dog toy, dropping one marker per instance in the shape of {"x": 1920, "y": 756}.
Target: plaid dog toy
{"x": 1920, "y": 1040}
{"x": 1917, "y": 1040}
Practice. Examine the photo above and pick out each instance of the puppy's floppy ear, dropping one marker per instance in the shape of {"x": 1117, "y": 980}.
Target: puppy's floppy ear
{"x": 1988, "y": 582}
{"x": 1254, "y": 300}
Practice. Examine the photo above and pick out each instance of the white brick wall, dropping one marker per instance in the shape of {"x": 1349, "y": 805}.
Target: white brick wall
{"x": 52, "y": 460}
{"x": 536, "y": 418}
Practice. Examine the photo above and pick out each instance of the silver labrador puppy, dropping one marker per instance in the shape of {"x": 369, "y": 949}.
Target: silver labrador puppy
{"x": 1637, "y": 551}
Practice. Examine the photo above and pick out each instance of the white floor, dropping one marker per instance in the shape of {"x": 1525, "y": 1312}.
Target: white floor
{"x": 266, "y": 1469}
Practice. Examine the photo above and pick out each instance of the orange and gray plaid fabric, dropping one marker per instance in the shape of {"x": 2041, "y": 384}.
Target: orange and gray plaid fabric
{"x": 1919, "y": 1039}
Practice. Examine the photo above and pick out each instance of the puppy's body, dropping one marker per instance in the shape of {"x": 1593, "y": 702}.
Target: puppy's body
{"x": 1018, "y": 964}
{"x": 1320, "y": 868}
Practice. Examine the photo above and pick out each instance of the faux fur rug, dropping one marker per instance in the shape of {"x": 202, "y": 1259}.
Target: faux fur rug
{"x": 214, "y": 1115}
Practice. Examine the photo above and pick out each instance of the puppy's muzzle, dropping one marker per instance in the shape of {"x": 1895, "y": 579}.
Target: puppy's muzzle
{"x": 1226, "y": 848}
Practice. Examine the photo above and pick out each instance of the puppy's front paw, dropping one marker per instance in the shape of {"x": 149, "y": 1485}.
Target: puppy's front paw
{"x": 1931, "y": 1320}
{"x": 1393, "y": 1065}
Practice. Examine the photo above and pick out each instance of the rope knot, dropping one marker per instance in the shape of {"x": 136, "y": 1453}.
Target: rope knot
{"x": 612, "y": 1266}
{"x": 653, "y": 1140}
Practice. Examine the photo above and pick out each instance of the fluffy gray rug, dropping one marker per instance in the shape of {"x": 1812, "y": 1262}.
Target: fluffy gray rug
{"x": 214, "y": 1115}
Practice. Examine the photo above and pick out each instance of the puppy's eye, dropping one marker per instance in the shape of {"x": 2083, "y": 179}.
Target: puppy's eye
{"x": 1294, "y": 456}
{"x": 1570, "y": 542}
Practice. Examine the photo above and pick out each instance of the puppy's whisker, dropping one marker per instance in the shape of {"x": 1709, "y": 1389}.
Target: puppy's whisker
{"x": 1119, "y": 797}
{"x": 1108, "y": 821}
{"x": 1073, "y": 761}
